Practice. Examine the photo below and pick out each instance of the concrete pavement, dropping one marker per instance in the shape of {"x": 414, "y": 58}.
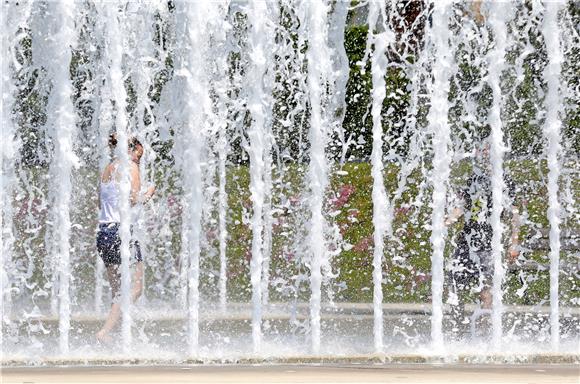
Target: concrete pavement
{"x": 384, "y": 373}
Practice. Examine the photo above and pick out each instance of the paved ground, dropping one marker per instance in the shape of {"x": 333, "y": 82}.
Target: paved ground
{"x": 560, "y": 374}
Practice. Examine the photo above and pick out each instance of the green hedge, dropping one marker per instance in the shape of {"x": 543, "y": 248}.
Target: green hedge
{"x": 407, "y": 254}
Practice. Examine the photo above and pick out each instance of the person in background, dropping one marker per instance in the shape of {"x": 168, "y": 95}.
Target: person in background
{"x": 471, "y": 266}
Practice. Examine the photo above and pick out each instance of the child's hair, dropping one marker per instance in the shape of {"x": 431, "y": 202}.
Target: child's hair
{"x": 133, "y": 142}
{"x": 113, "y": 140}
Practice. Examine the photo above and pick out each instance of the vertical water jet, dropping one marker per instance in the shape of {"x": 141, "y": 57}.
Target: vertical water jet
{"x": 222, "y": 87}
{"x": 337, "y": 23}
{"x": 268, "y": 219}
{"x": 222, "y": 210}
{"x": 379, "y": 64}
{"x": 317, "y": 58}
{"x": 103, "y": 123}
{"x": 114, "y": 46}
{"x": 193, "y": 24}
{"x": 259, "y": 38}
{"x": 9, "y": 153}
{"x": 498, "y": 16}
{"x": 439, "y": 126}
{"x": 551, "y": 130}
{"x": 62, "y": 126}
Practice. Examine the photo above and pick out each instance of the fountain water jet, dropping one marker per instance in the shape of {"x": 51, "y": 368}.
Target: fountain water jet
{"x": 317, "y": 58}
{"x": 114, "y": 47}
{"x": 9, "y": 149}
{"x": 194, "y": 19}
{"x": 62, "y": 128}
{"x": 103, "y": 122}
{"x": 222, "y": 146}
{"x": 380, "y": 201}
{"x": 439, "y": 126}
{"x": 258, "y": 16}
{"x": 551, "y": 33}
{"x": 499, "y": 14}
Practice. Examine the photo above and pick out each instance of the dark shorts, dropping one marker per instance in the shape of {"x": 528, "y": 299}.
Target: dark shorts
{"x": 109, "y": 244}
{"x": 466, "y": 270}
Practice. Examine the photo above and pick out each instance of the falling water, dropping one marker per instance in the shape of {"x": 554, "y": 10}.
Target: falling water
{"x": 416, "y": 157}
{"x": 258, "y": 17}
{"x": 380, "y": 202}
{"x": 439, "y": 125}
{"x": 194, "y": 20}
{"x": 8, "y": 155}
{"x": 551, "y": 33}
{"x": 267, "y": 240}
{"x": 141, "y": 23}
{"x": 221, "y": 83}
{"x": 114, "y": 48}
{"x": 104, "y": 125}
{"x": 340, "y": 71}
{"x": 267, "y": 140}
{"x": 24, "y": 184}
{"x": 317, "y": 57}
{"x": 223, "y": 207}
{"x": 499, "y": 14}
{"x": 63, "y": 127}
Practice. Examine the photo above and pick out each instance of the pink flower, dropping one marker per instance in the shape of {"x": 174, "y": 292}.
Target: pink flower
{"x": 280, "y": 221}
{"x": 175, "y": 206}
{"x": 402, "y": 211}
{"x": 289, "y": 256}
{"x": 294, "y": 200}
{"x": 364, "y": 244}
{"x": 211, "y": 234}
{"x": 343, "y": 195}
{"x": 421, "y": 277}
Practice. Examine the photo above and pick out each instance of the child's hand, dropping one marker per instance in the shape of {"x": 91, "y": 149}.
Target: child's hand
{"x": 513, "y": 255}
{"x": 148, "y": 194}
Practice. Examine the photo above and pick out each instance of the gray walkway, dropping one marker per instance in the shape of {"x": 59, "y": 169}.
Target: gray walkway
{"x": 561, "y": 374}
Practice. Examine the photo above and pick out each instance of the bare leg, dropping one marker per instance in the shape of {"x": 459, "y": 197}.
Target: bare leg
{"x": 486, "y": 298}
{"x": 114, "y": 277}
{"x": 115, "y": 281}
{"x": 137, "y": 282}
{"x": 477, "y": 14}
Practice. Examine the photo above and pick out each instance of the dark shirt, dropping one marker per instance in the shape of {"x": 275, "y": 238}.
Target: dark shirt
{"x": 477, "y": 232}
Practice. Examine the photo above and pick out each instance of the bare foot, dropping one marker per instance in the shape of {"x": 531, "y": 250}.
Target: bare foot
{"x": 103, "y": 338}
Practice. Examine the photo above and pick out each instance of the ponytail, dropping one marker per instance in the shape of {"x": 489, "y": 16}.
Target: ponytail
{"x": 113, "y": 140}
{"x": 132, "y": 143}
